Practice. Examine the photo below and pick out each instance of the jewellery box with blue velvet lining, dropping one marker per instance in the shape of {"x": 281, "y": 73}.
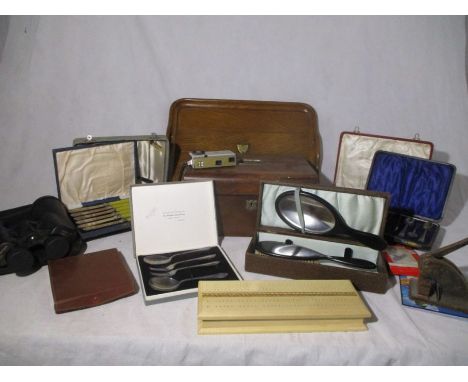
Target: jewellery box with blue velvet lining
{"x": 419, "y": 189}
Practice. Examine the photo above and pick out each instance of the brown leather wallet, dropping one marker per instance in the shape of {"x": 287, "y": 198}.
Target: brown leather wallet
{"x": 80, "y": 282}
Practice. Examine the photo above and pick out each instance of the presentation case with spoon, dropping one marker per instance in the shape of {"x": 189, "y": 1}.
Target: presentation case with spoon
{"x": 175, "y": 239}
{"x": 319, "y": 232}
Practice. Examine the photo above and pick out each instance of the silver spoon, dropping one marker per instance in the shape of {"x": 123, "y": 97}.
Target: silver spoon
{"x": 174, "y": 271}
{"x": 166, "y": 284}
{"x": 170, "y": 267}
{"x": 164, "y": 259}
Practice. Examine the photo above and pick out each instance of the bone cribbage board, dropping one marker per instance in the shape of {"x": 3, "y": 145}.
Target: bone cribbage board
{"x": 279, "y": 306}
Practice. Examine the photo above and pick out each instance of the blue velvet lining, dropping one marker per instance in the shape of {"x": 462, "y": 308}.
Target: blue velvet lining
{"x": 417, "y": 186}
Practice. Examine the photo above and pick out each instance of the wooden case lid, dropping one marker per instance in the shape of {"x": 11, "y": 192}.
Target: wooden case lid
{"x": 279, "y": 128}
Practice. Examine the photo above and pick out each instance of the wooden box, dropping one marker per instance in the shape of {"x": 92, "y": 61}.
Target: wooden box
{"x": 237, "y": 188}
{"x": 275, "y": 141}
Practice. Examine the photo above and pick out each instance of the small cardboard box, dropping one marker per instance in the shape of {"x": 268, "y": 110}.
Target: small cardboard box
{"x": 177, "y": 218}
{"x": 362, "y": 210}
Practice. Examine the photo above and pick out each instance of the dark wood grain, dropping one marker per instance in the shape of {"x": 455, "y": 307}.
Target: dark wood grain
{"x": 280, "y": 128}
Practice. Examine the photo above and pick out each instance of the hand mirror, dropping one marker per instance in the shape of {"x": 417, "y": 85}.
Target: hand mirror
{"x": 321, "y": 218}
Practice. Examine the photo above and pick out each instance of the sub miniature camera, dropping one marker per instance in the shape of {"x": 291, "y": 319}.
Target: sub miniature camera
{"x": 210, "y": 159}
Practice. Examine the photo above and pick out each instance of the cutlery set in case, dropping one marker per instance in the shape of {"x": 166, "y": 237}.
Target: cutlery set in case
{"x": 94, "y": 177}
{"x": 182, "y": 270}
{"x": 174, "y": 229}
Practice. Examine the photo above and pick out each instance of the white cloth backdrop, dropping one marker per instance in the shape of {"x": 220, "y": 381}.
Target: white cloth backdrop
{"x": 66, "y": 77}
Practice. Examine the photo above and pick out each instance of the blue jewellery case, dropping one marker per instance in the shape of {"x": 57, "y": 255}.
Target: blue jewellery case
{"x": 419, "y": 189}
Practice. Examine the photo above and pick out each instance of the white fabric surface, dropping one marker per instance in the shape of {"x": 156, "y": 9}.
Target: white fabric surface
{"x": 361, "y": 212}
{"x": 109, "y": 169}
{"x": 65, "y": 77}
{"x": 126, "y": 332}
{"x": 357, "y": 151}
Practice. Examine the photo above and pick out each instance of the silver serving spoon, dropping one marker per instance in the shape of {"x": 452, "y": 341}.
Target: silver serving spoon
{"x": 165, "y": 272}
{"x": 170, "y": 267}
{"x": 167, "y": 284}
{"x": 160, "y": 259}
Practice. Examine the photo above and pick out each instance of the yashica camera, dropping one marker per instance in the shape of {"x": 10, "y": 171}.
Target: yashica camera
{"x": 210, "y": 159}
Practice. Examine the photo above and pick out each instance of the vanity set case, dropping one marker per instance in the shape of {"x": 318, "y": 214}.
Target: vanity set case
{"x": 274, "y": 141}
{"x": 362, "y": 210}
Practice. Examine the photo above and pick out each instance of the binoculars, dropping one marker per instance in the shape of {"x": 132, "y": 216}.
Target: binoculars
{"x": 32, "y": 235}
